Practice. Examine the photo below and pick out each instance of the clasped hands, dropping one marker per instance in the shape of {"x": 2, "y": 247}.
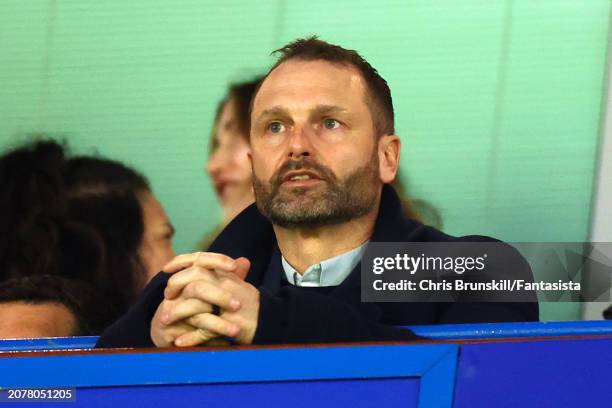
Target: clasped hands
{"x": 186, "y": 317}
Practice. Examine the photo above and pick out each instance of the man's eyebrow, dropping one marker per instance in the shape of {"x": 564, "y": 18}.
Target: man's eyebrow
{"x": 317, "y": 111}
{"x": 274, "y": 111}
{"x": 327, "y": 109}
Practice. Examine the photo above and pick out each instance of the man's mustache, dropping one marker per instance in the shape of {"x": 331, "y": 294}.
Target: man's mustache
{"x": 322, "y": 172}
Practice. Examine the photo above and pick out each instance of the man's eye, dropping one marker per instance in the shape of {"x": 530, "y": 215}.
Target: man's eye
{"x": 331, "y": 124}
{"x": 276, "y": 127}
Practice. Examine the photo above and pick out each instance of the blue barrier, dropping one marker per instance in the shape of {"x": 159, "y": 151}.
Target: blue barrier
{"x": 547, "y": 373}
{"x": 528, "y": 365}
{"x": 421, "y": 373}
{"x": 434, "y": 332}
{"x": 514, "y": 330}
{"x": 49, "y": 343}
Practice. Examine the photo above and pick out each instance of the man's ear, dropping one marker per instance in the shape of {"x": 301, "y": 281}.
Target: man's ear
{"x": 389, "y": 148}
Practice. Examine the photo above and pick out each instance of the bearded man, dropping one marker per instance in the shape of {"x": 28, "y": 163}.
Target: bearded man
{"x": 286, "y": 270}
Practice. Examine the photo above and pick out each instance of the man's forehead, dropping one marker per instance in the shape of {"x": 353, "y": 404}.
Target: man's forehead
{"x": 297, "y": 67}
{"x": 313, "y": 78}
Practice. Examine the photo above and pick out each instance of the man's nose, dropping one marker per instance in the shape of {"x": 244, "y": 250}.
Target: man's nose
{"x": 300, "y": 143}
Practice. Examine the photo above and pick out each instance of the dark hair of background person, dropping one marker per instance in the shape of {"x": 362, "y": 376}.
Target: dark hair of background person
{"x": 78, "y": 218}
{"x": 104, "y": 194}
{"x": 77, "y": 296}
{"x": 378, "y": 95}
{"x": 33, "y": 210}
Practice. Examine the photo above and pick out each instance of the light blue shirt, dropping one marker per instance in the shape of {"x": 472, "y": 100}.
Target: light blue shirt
{"x": 329, "y": 272}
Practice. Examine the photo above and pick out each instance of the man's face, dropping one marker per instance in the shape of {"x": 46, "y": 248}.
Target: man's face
{"x": 313, "y": 147}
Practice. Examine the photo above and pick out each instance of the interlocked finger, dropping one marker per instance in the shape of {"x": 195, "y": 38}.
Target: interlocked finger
{"x": 194, "y": 338}
{"x": 182, "y": 309}
{"x": 213, "y": 324}
{"x": 209, "y": 260}
{"x": 211, "y": 293}
{"x": 179, "y": 280}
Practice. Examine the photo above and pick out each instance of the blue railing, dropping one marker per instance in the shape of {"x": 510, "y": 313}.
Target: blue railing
{"x": 434, "y": 332}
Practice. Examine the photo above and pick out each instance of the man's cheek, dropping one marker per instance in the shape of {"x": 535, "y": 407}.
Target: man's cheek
{"x": 260, "y": 168}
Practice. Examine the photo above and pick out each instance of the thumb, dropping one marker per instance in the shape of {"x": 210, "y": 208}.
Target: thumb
{"x": 243, "y": 267}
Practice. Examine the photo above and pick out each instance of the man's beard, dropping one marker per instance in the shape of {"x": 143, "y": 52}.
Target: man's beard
{"x": 337, "y": 202}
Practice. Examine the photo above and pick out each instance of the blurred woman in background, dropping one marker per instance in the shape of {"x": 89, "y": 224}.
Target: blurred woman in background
{"x": 84, "y": 218}
{"x": 228, "y": 164}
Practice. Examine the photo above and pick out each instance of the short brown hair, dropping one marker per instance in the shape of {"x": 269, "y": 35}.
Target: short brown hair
{"x": 378, "y": 94}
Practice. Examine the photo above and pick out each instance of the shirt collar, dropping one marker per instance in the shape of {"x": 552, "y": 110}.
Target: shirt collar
{"x": 329, "y": 272}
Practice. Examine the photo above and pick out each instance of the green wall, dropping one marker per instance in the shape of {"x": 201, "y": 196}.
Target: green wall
{"x": 498, "y": 102}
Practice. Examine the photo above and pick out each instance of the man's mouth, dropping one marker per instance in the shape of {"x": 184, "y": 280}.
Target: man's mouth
{"x": 300, "y": 178}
